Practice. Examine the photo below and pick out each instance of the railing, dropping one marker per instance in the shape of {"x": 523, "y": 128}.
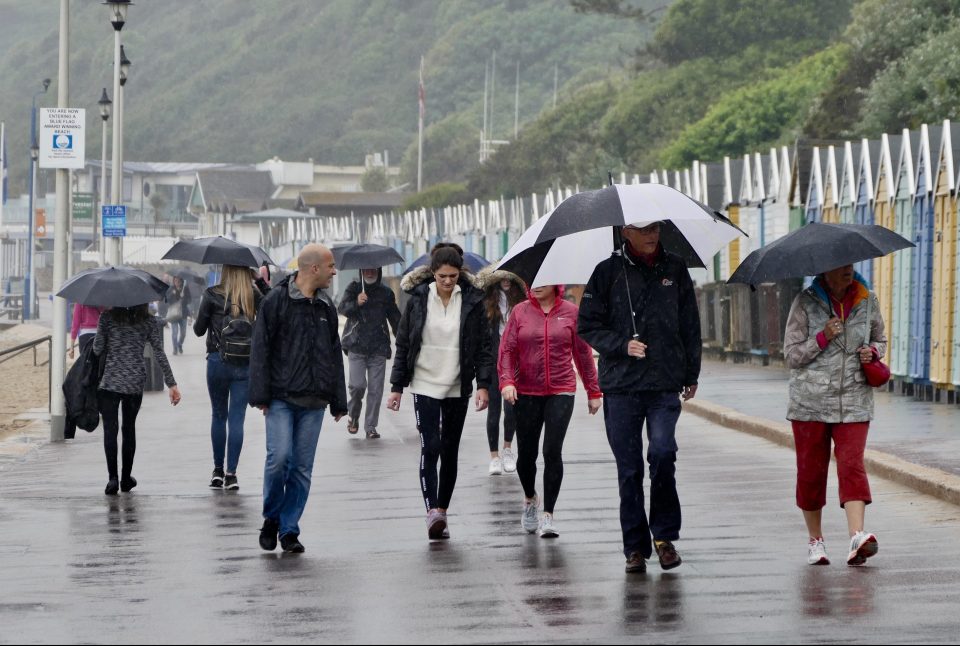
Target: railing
{"x": 10, "y": 353}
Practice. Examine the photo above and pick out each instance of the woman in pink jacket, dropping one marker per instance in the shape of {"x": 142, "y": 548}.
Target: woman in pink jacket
{"x": 84, "y": 326}
{"x": 535, "y": 366}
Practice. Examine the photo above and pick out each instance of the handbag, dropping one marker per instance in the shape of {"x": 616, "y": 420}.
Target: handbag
{"x": 174, "y": 312}
{"x": 877, "y": 373}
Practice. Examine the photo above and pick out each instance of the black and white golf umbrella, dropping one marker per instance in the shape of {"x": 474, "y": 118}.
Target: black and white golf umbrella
{"x": 566, "y": 245}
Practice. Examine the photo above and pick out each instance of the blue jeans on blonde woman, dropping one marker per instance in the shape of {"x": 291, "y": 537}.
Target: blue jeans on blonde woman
{"x": 227, "y": 385}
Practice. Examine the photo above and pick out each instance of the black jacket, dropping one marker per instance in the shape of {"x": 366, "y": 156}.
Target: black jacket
{"x": 296, "y": 350}
{"x": 667, "y": 322}
{"x": 366, "y": 330}
{"x": 174, "y": 296}
{"x": 209, "y": 319}
{"x": 476, "y": 359}
{"x": 80, "y": 390}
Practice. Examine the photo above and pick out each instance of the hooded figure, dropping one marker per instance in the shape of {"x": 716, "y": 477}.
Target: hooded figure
{"x": 370, "y": 307}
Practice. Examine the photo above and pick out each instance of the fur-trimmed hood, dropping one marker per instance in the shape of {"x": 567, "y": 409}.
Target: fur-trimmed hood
{"x": 490, "y": 276}
{"x": 422, "y": 275}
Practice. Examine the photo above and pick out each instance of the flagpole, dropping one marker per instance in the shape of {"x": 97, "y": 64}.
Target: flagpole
{"x": 3, "y": 179}
{"x": 421, "y": 99}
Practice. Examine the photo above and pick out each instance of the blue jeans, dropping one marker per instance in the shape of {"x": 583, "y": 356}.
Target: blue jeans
{"x": 178, "y": 332}
{"x": 292, "y": 435}
{"x": 624, "y": 416}
{"x": 227, "y": 385}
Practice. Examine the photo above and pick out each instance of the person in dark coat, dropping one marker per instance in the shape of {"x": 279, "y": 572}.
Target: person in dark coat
{"x": 297, "y": 369}
{"x": 639, "y": 311}
{"x": 370, "y": 306}
{"x": 177, "y": 312}
{"x": 442, "y": 346}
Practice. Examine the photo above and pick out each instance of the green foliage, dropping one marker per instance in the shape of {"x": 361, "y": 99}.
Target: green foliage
{"x": 921, "y": 87}
{"x": 695, "y": 29}
{"x": 375, "y": 180}
{"x": 758, "y": 114}
{"x": 437, "y": 196}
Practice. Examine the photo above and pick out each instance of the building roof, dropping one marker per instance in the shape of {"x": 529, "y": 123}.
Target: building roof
{"x": 235, "y": 190}
{"x": 321, "y": 199}
{"x": 173, "y": 168}
{"x": 714, "y": 171}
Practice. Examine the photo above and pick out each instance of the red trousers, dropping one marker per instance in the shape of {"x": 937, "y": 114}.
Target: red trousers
{"x": 812, "y": 440}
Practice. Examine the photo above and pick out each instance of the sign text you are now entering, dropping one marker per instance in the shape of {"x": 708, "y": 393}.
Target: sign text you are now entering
{"x": 61, "y": 138}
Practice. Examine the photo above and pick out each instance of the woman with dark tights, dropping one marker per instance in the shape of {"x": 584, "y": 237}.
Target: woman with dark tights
{"x": 442, "y": 346}
{"x": 535, "y": 368}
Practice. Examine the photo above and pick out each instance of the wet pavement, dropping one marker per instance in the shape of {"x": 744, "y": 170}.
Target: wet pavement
{"x": 924, "y": 433}
{"x": 176, "y": 562}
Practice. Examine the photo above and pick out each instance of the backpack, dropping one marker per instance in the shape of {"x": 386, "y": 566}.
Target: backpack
{"x": 236, "y": 336}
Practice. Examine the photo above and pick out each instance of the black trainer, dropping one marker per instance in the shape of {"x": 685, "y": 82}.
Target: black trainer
{"x": 230, "y": 482}
{"x": 113, "y": 486}
{"x": 291, "y": 543}
{"x": 128, "y": 483}
{"x": 216, "y": 480}
{"x": 372, "y": 434}
{"x": 268, "y": 534}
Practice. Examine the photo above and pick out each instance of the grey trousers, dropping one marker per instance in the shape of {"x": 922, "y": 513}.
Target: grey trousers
{"x": 367, "y": 373}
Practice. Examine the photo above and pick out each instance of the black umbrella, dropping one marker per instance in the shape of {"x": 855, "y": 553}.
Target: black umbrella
{"x": 472, "y": 262}
{"x": 113, "y": 287}
{"x": 187, "y": 274}
{"x": 816, "y": 248}
{"x": 218, "y": 251}
{"x": 365, "y": 256}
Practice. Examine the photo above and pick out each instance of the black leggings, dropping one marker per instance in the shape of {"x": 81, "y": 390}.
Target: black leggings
{"x": 493, "y": 420}
{"x": 110, "y": 405}
{"x": 440, "y": 422}
{"x": 533, "y": 414}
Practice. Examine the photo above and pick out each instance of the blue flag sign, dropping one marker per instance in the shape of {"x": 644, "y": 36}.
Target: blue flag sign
{"x": 114, "y": 220}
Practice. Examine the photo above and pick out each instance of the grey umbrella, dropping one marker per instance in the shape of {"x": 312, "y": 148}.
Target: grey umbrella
{"x": 218, "y": 250}
{"x": 113, "y": 287}
{"x": 816, "y": 248}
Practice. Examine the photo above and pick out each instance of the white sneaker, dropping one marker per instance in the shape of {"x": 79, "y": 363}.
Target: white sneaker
{"x": 509, "y": 461}
{"x": 547, "y": 530}
{"x": 530, "y": 520}
{"x": 496, "y": 467}
{"x": 817, "y": 552}
{"x": 862, "y": 547}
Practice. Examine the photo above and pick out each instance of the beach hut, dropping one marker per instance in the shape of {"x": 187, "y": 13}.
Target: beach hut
{"x": 847, "y": 197}
{"x": 922, "y": 275}
{"x": 776, "y": 204}
{"x": 885, "y": 188}
{"x": 955, "y": 350}
{"x": 732, "y": 184}
{"x": 830, "y": 212}
{"x": 752, "y": 194}
{"x": 813, "y": 208}
{"x": 899, "y": 334}
{"x": 944, "y": 242}
{"x": 863, "y": 210}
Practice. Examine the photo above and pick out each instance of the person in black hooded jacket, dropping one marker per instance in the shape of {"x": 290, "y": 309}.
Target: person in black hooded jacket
{"x": 369, "y": 306}
{"x": 296, "y": 369}
{"x": 639, "y": 311}
{"x": 443, "y": 345}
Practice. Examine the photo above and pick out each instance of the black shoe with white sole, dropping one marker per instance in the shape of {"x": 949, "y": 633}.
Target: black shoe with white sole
{"x": 230, "y": 483}
{"x": 216, "y": 480}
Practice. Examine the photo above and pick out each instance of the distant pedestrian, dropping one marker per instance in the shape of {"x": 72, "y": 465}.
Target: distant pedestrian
{"x": 639, "y": 311}
{"x": 177, "y": 312}
{"x": 370, "y": 307}
{"x": 502, "y": 292}
{"x": 537, "y": 353}
{"x": 296, "y": 367}
{"x": 442, "y": 346}
{"x": 122, "y": 333}
{"x": 834, "y": 328}
{"x": 226, "y": 316}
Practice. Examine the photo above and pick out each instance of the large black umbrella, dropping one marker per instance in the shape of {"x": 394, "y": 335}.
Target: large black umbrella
{"x": 218, "y": 250}
{"x": 816, "y": 248}
{"x": 113, "y": 287}
{"x": 365, "y": 256}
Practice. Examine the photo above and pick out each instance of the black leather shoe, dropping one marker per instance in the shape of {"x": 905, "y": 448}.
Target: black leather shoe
{"x": 636, "y": 563}
{"x": 268, "y": 534}
{"x": 291, "y": 543}
{"x": 128, "y": 483}
{"x": 113, "y": 486}
{"x": 669, "y": 558}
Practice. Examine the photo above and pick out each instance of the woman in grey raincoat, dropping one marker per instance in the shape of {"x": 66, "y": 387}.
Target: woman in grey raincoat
{"x": 834, "y": 327}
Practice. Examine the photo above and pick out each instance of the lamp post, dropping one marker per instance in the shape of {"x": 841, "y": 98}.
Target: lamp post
{"x": 118, "y": 18}
{"x": 104, "y": 104}
{"x": 27, "y": 310}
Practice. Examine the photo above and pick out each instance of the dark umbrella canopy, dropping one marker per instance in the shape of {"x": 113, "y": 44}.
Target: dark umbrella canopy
{"x": 472, "y": 262}
{"x": 218, "y": 251}
{"x": 365, "y": 256}
{"x": 113, "y": 287}
{"x": 816, "y": 248}
{"x": 187, "y": 274}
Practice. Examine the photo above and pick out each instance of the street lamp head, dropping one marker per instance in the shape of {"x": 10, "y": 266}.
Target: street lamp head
{"x": 124, "y": 66}
{"x": 34, "y": 150}
{"x": 104, "y": 104}
{"x": 46, "y": 84}
{"x": 118, "y": 12}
